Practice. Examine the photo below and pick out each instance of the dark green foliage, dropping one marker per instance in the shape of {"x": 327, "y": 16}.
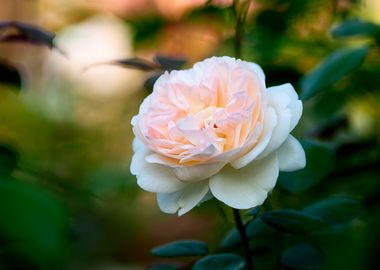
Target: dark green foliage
{"x": 336, "y": 210}
{"x": 8, "y": 160}
{"x": 302, "y": 257}
{"x": 181, "y": 248}
{"x": 331, "y": 70}
{"x": 356, "y": 27}
{"x": 294, "y": 222}
{"x": 223, "y": 261}
{"x": 34, "y": 225}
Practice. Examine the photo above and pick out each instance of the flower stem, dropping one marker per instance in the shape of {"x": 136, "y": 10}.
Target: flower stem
{"x": 240, "y": 11}
{"x": 244, "y": 239}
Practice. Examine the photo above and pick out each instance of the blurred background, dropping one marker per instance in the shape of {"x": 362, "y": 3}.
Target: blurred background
{"x": 67, "y": 198}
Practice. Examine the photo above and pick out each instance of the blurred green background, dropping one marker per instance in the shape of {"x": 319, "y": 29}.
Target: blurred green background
{"x": 67, "y": 198}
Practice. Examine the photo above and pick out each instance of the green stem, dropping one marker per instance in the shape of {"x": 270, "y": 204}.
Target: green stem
{"x": 244, "y": 239}
{"x": 240, "y": 11}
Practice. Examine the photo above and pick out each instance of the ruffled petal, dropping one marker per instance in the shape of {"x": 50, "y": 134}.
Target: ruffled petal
{"x": 291, "y": 155}
{"x": 183, "y": 200}
{"x": 246, "y": 187}
{"x": 270, "y": 123}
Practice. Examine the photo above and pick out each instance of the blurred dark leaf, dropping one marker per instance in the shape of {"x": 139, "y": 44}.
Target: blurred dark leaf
{"x": 257, "y": 228}
{"x": 331, "y": 70}
{"x": 169, "y": 62}
{"x": 134, "y": 63}
{"x": 9, "y": 74}
{"x": 294, "y": 222}
{"x": 254, "y": 229}
{"x": 231, "y": 239}
{"x": 224, "y": 261}
{"x": 34, "y": 224}
{"x": 319, "y": 163}
{"x": 254, "y": 211}
{"x": 8, "y": 160}
{"x": 356, "y": 27}
{"x": 149, "y": 83}
{"x": 12, "y": 31}
{"x": 181, "y": 248}
{"x": 165, "y": 266}
{"x": 302, "y": 257}
{"x": 336, "y": 210}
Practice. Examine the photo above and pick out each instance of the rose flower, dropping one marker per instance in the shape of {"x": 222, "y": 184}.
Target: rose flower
{"x": 215, "y": 130}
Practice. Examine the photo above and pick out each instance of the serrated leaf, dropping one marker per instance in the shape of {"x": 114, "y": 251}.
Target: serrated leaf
{"x": 356, "y": 27}
{"x": 320, "y": 162}
{"x": 34, "y": 224}
{"x": 294, "y": 222}
{"x": 331, "y": 70}
{"x": 169, "y": 62}
{"x": 303, "y": 256}
{"x": 336, "y": 210}
{"x": 13, "y": 31}
{"x": 224, "y": 261}
{"x": 181, "y": 248}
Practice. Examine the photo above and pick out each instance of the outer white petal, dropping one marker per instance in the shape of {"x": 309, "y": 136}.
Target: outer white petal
{"x": 158, "y": 178}
{"x": 270, "y": 123}
{"x": 296, "y": 109}
{"x": 284, "y": 96}
{"x": 198, "y": 172}
{"x": 284, "y": 100}
{"x": 137, "y": 144}
{"x": 260, "y": 73}
{"x": 285, "y": 88}
{"x": 246, "y": 187}
{"x": 138, "y": 159}
{"x": 187, "y": 173}
{"x": 291, "y": 155}
{"x": 153, "y": 177}
{"x": 183, "y": 200}
{"x": 279, "y": 134}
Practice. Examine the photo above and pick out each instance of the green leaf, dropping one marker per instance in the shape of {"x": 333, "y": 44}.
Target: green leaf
{"x": 302, "y": 257}
{"x": 294, "y": 222}
{"x": 253, "y": 212}
{"x": 8, "y": 160}
{"x": 181, "y": 248}
{"x": 231, "y": 239}
{"x": 224, "y": 261}
{"x": 356, "y": 27}
{"x": 336, "y": 210}
{"x": 319, "y": 163}
{"x": 331, "y": 70}
{"x": 33, "y": 223}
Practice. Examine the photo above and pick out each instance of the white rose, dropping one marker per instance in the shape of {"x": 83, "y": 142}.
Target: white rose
{"x": 215, "y": 129}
